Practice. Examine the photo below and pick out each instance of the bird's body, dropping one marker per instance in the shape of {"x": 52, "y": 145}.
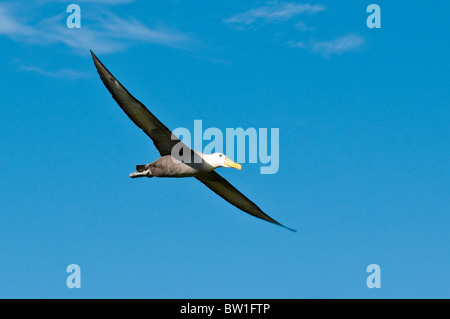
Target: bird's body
{"x": 177, "y": 160}
{"x": 169, "y": 166}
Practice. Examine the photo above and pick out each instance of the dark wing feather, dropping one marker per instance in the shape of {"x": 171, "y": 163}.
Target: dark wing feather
{"x": 161, "y": 136}
{"x": 223, "y": 188}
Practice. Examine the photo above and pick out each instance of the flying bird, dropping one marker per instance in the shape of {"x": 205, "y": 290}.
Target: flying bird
{"x": 177, "y": 160}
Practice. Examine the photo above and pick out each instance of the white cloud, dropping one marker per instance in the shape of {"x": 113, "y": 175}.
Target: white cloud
{"x": 303, "y": 27}
{"x": 61, "y": 73}
{"x": 10, "y": 25}
{"x": 274, "y": 11}
{"x": 346, "y": 43}
{"x": 102, "y": 2}
{"x": 104, "y": 33}
{"x": 135, "y": 30}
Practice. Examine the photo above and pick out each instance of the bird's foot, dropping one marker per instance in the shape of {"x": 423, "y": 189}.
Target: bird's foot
{"x": 141, "y": 174}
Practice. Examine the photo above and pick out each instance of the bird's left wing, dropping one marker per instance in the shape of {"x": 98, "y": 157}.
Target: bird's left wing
{"x": 223, "y": 188}
{"x": 161, "y": 136}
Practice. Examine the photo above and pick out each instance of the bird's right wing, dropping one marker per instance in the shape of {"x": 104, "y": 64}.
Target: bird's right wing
{"x": 223, "y": 188}
{"x": 161, "y": 136}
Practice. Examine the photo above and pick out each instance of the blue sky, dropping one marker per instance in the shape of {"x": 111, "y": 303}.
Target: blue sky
{"x": 364, "y": 149}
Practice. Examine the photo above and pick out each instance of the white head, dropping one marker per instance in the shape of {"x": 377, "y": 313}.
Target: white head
{"x": 220, "y": 160}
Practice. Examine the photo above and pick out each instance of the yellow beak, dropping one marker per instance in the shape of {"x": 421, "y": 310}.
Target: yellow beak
{"x": 230, "y": 163}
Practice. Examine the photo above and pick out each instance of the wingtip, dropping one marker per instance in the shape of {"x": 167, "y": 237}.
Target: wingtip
{"x": 290, "y": 229}
{"x": 94, "y": 57}
{"x": 101, "y": 69}
{"x": 285, "y": 227}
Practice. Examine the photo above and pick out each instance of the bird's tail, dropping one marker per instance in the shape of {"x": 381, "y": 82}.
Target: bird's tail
{"x": 141, "y": 168}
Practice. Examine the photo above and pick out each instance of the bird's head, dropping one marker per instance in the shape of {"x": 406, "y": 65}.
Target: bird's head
{"x": 220, "y": 160}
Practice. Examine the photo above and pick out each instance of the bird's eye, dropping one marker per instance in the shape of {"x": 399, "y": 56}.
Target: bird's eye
{"x": 220, "y": 155}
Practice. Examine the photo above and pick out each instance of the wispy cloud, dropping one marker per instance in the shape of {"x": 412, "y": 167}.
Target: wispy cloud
{"x": 10, "y": 25}
{"x": 283, "y": 11}
{"x": 103, "y": 32}
{"x": 347, "y": 43}
{"x": 67, "y": 74}
{"x": 273, "y": 11}
{"x": 102, "y": 2}
{"x": 303, "y": 27}
{"x": 350, "y": 42}
{"x": 135, "y": 30}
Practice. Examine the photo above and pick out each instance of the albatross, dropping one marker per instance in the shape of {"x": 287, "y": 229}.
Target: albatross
{"x": 173, "y": 163}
